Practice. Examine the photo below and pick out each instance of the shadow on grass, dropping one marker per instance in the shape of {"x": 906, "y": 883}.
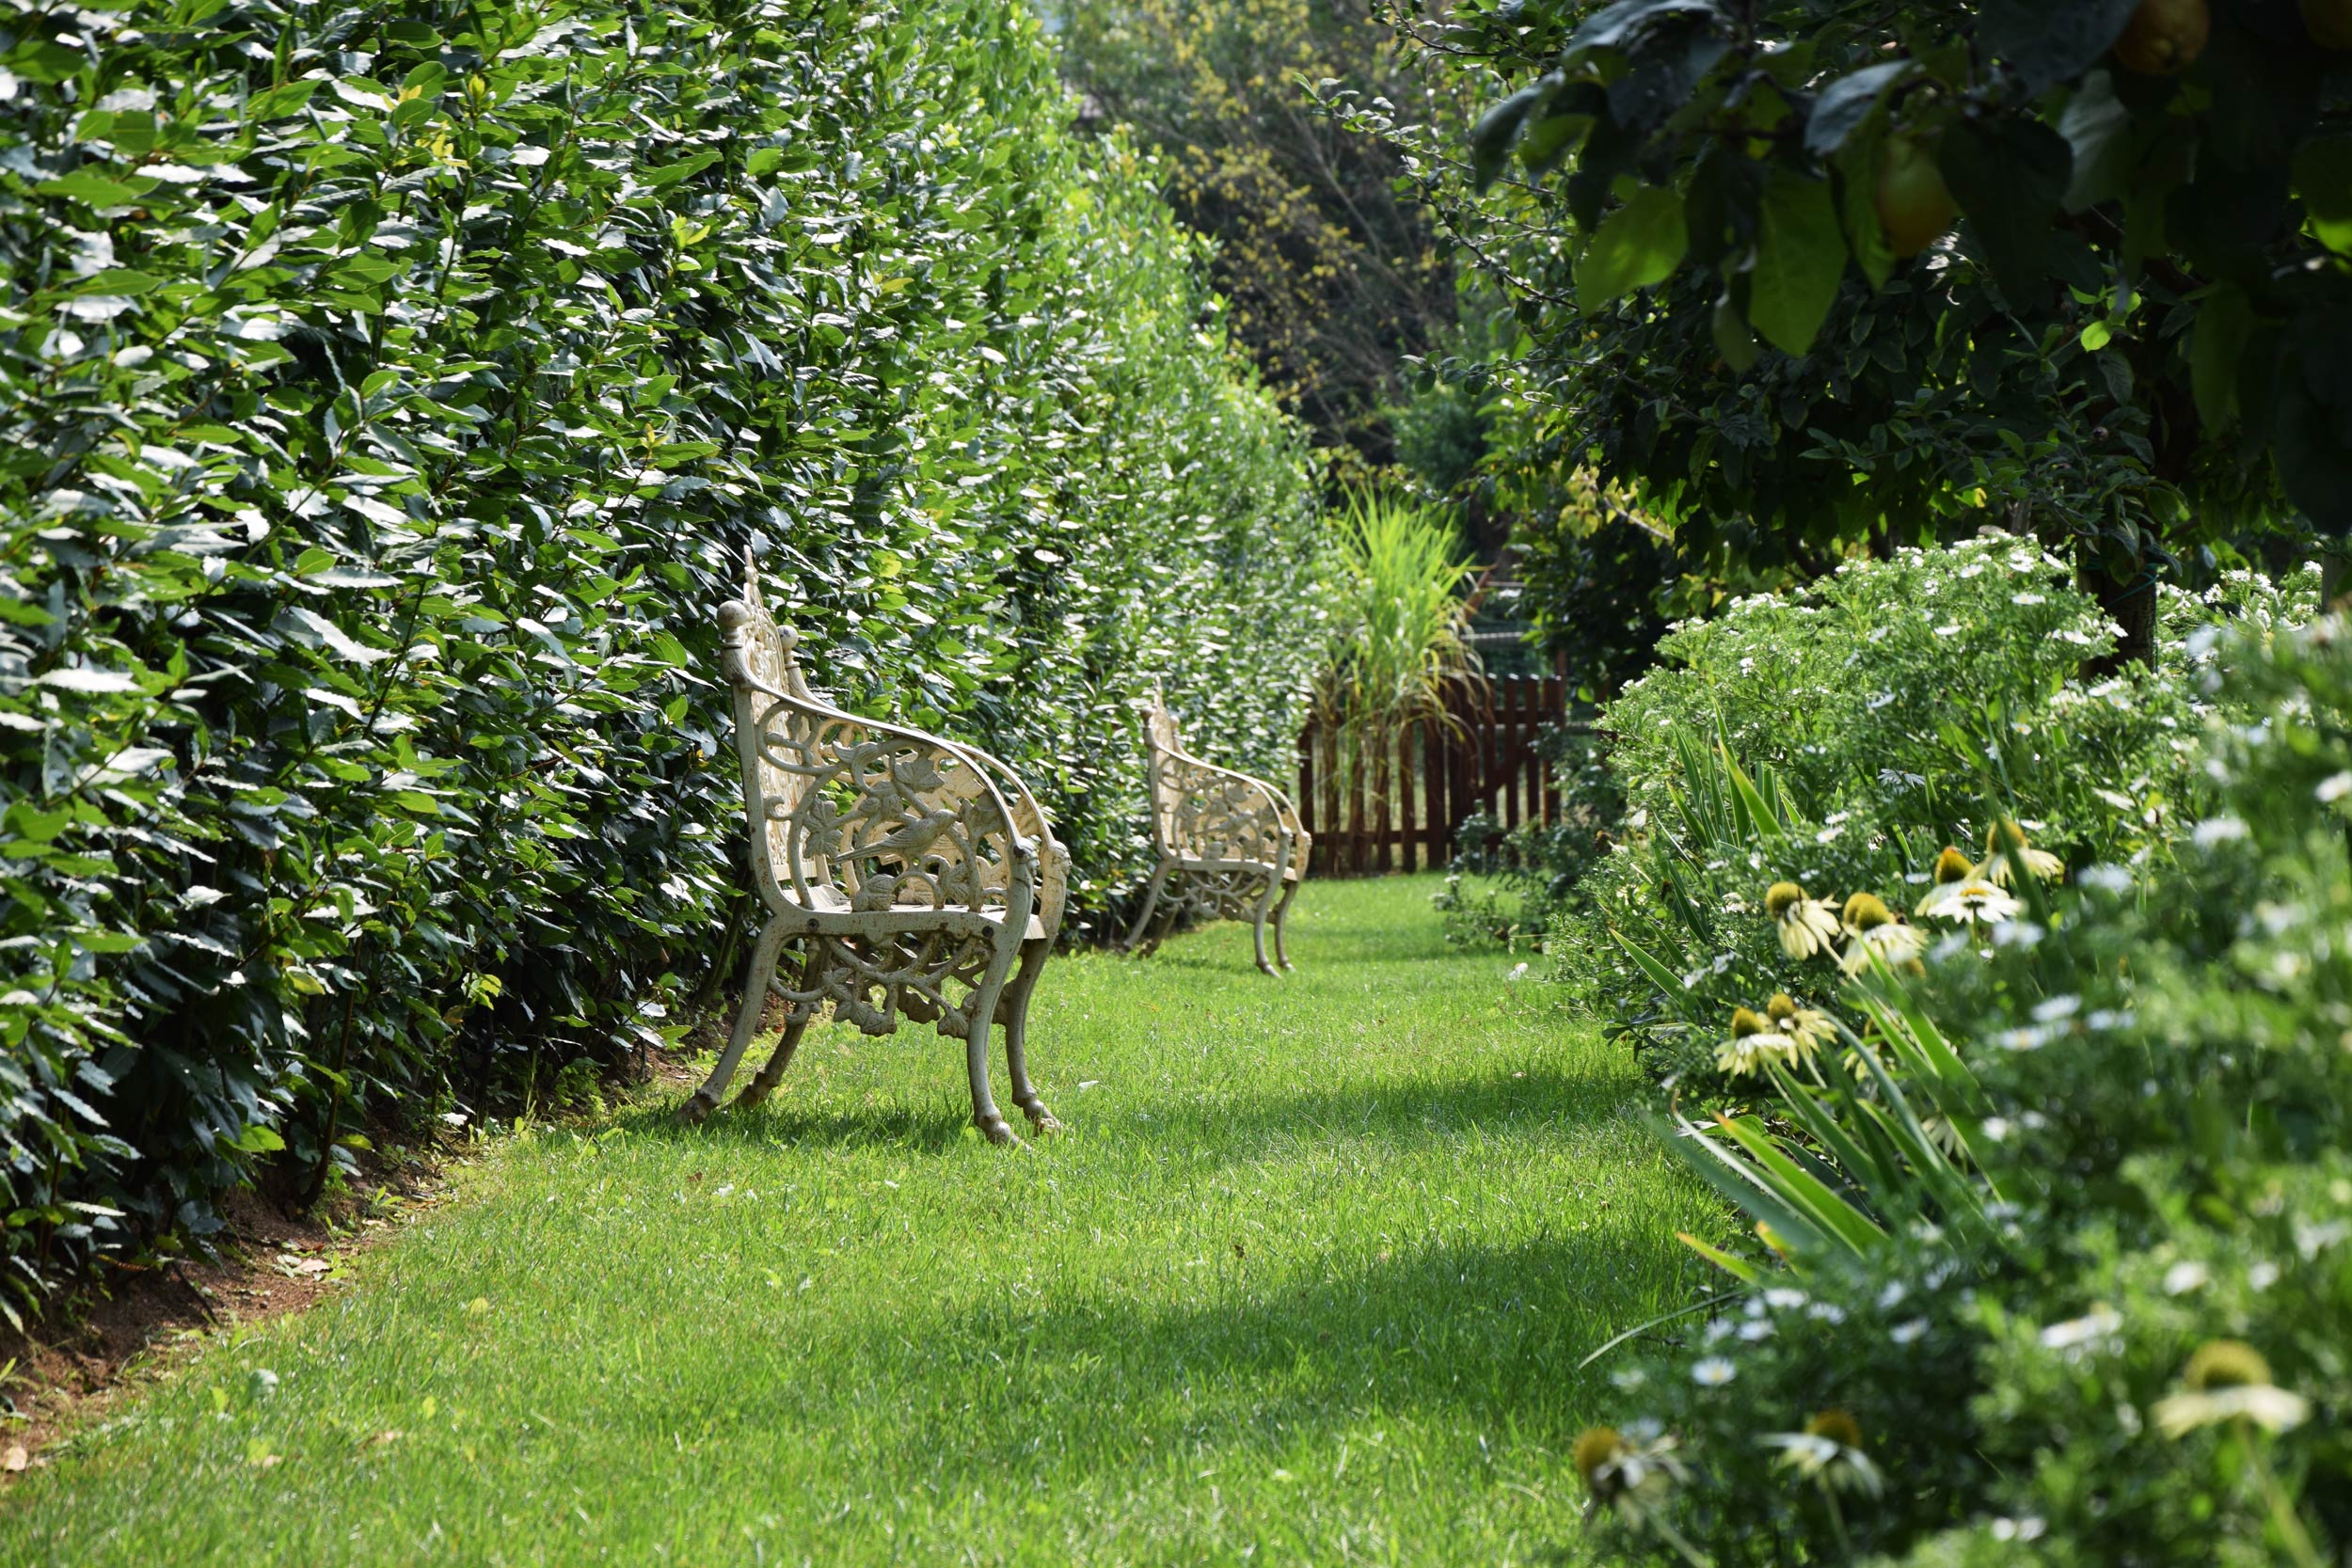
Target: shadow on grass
{"x": 1402, "y": 1111}
{"x": 932, "y": 1129}
{"x": 1408, "y": 1112}
{"x": 1106, "y": 1383}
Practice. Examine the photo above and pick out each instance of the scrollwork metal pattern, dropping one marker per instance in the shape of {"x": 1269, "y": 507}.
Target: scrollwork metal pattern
{"x": 911, "y": 871}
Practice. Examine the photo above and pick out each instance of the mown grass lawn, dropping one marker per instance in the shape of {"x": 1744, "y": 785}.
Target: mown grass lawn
{"x": 1308, "y": 1280}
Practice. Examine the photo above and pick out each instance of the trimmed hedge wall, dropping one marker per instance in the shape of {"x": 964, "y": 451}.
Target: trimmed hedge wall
{"x": 389, "y": 394}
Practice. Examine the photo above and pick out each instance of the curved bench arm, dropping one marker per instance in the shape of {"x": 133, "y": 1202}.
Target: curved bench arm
{"x": 863, "y": 816}
{"x": 1219, "y": 813}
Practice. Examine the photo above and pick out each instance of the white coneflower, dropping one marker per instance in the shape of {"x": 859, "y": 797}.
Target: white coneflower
{"x": 2229, "y": 1381}
{"x": 1806, "y": 926}
{"x": 1961, "y": 894}
{"x": 1752, "y": 1042}
{"x": 1980, "y": 901}
{"x": 1874, "y": 929}
{"x": 1751, "y": 1039}
{"x": 1998, "y": 840}
{"x": 1630, "y": 1479}
{"x": 1829, "y": 1452}
{"x": 1809, "y": 1027}
{"x": 1951, "y": 868}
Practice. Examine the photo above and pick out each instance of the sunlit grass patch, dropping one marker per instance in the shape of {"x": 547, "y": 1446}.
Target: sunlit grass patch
{"x": 1308, "y": 1278}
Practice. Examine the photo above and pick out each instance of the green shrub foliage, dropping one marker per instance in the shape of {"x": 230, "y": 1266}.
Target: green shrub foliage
{"x": 390, "y": 395}
{"x": 2104, "y": 1321}
{"x": 2051, "y": 1198}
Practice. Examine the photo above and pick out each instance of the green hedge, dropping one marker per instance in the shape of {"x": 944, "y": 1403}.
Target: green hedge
{"x": 390, "y": 393}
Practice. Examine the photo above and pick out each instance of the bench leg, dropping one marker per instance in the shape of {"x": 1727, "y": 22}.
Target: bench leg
{"x": 1281, "y": 919}
{"x": 706, "y": 1099}
{"x": 770, "y": 1075}
{"x": 1151, "y": 902}
{"x": 1265, "y": 907}
{"x": 1173, "y": 910}
{"x": 1016, "y": 1010}
{"x": 981, "y": 1009}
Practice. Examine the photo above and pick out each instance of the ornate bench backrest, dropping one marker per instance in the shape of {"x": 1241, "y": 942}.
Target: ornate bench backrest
{"x": 1161, "y": 747}
{"x": 861, "y": 812}
{"x": 757, "y": 647}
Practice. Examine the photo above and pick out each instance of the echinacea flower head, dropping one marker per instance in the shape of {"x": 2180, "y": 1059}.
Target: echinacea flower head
{"x": 1953, "y": 866}
{"x": 1874, "y": 929}
{"x": 1630, "y": 1479}
{"x": 2228, "y": 1381}
{"x": 1865, "y": 911}
{"x": 1973, "y": 900}
{"x": 1828, "y": 1452}
{"x": 1836, "y": 1425}
{"x": 1808, "y": 1026}
{"x": 1806, "y": 926}
{"x": 2225, "y": 1363}
{"x": 2005, "y": 843}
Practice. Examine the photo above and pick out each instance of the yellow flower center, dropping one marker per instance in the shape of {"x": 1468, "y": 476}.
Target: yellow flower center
{"x": 1780, "y": 1009}
{"x": 1781, "y": 897}
{"x": 1744, "y": 1022}
{"x": 1594, "y": 1448}
{"x": 1838, "y": 1426}
{"x": 1952, "y": 866}
{"x": 1865, "y": 910}
{"x": 2004, "y": 834}
{"x": 2226, "y": 1364}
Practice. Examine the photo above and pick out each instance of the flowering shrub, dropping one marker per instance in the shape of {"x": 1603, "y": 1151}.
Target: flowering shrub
{"x": 2055, "y": 1256}
{"x": 1887, "y": 711}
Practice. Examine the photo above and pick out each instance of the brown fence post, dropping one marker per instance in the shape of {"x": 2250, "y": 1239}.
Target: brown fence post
{"x": 1507, "y": 748}
{"x": 1407, "y": 830}
{"x": 1433, "y": 765}
{"x": 1334, "y": 826}
{"x": 1357, "y": 817}
{"x": 1306, "y": 796}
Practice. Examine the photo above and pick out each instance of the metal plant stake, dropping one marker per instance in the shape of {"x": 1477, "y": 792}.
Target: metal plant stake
{"x": 1231, "y": 847}
{"x": 909, "y": 874}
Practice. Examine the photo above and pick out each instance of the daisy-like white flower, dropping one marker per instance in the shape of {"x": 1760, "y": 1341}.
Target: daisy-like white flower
{"x": 1952, "y": 869}
{"x": 1736, "y": 1055}
{"x": 1806, "y": 926}
{"x": 1713, "y": 1372}
{"x": 2005, "y": 848}
{"x": 1828, "y": 1452}
{"x": 1872, "y": 928}
{"x": 2226, "y": 1380}
{"x": 1809, "y": 1028}
{"x": 1630, "y": 1479}
{"x": 1963, "y": 895}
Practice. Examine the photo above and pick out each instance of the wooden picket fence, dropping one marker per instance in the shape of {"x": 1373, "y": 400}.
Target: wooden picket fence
{"x": 1373, "y": 813}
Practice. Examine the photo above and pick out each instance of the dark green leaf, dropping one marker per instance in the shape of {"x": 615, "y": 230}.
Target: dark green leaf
{"x": 1799, "y": 257}
{"x": 1640, "y": 244}
{"x": 2009, "y": 177}
{"x": 1847, "y": 102}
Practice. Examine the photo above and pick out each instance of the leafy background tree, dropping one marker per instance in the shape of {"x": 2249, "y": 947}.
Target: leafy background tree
{"x": 1333, "y": 274}
{"x": 1811, "y": 277}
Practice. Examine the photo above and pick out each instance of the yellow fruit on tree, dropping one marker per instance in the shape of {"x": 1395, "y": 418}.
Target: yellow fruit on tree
{"x": 2164, "y": 37}
{"x": 2328, "y": 22}
{"x": 1915, "y": 207}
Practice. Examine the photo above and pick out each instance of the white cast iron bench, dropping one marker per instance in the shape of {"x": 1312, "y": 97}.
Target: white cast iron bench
{"x": 1229, "y": 847}
{"x": 910, "y": 875}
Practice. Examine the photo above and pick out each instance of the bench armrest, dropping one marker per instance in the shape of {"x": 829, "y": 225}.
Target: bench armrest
{"x": 1220, "y": 815}
{"x": 865, "y": 816}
